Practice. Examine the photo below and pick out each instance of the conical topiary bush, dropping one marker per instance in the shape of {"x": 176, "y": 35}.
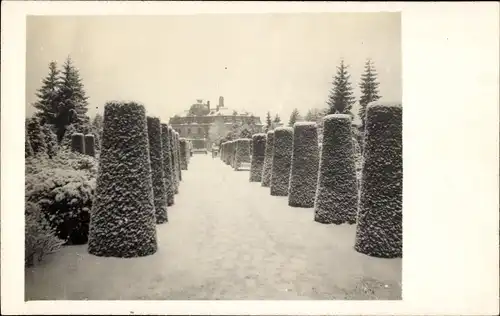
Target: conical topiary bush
{"x": 156, "y": 158}
{"x": 379, "y": 231}
{"x": 305, "y": 162}
{"x": 268, "y": 160}
{"x": 242, "y": 152}
{"x": 36, "y": 136}
{"x": 258, "y": 155}
{"x": 282, "y": 159}
{"x": 175, "y": 171}
{"x": 90, "y": 145}
{"x": 183, "y": 153}
{"x": 337, "y": 192}
{"x": 78, "y": 143}
{"x": 178, "y": 154}
{"x": 167, "y": 164}
{"x": 122, "y": 221}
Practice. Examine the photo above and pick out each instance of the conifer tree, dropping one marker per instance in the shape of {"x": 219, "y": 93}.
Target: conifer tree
{"x": 369, "y": 89}
{"x": 277, "y": 119}
{"x": 268, "y": 121}
{"x": 294, "y": 117}
{"x": 341, "y": 96}
{"x": 48, "y": 96}
{"x": 73, "y": 105}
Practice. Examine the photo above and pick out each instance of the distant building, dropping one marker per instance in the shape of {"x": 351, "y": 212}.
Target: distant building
{"x": 195, "y": 122}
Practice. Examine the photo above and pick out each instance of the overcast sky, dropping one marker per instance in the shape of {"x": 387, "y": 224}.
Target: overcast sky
{"x": 258, "y": 62}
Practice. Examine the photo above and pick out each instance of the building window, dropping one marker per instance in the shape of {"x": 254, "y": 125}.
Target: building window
{"x": 188, "y": 131}
{"x": 200, "y": 131}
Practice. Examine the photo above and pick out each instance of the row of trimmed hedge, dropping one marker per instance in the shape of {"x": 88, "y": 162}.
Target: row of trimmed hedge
{"x": 292, "y": 163}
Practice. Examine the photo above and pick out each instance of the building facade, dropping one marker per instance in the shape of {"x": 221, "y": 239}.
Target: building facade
{"x": 205, "y": 125}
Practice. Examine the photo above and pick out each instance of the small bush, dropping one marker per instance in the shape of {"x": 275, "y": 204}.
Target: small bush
{"x": 90, "y": 145}
{"x": 78, "y": 143}
{"x": 40, "y": 238}
{"x": 36, "y": 136}
{"x": 156, "y": 159}
{"x": 168, "y": 172}
{"x": 50, "y": 140}
{"x": 65, "y": 198}
{"x": 183, "y": 152}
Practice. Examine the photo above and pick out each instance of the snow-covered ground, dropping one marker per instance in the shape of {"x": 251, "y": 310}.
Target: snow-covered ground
{"x": 227, "y": 238}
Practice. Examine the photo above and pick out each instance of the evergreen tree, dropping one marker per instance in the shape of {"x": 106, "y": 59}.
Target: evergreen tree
{"x": 369, "y": 89}
{"x": 48, "y": 96}
{"x": 294, "y": 117}
{"x": 309, "y": 116}
{"x": 73, "y": 104}
{"x": 268, "y": 121}
{"x": 341, "y": 96}
{"x": 277, "y": 119}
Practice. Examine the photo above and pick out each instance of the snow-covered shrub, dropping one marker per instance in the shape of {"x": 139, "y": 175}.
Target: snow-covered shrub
{"x": 78, "y": 143}
{"x": 50, "y": 139}
{"x": 258, "y": 154}
{"x": 230, "y": 152}
{"x": 123, "y": 222}
{"x": 175, "y": 169}
{"x": 64, "y": 196}
{"x": 242, "y": 152}
{"x": 90, "y": 145}
{"x": 282, "y": 160}
{"x": 177, "y": 153}
{"x": 337, "y": 192}
{"x": 379, "y": 230}
{"x": 305, "y": 161}
{"x": 183, "y": 153}
{"x": 156, "y": 159}
{"x": 66, "y": 140}
{"x": 40, "y": 238}
{"x": 268, "y": 160}
{"x": 36, "y": 136}
{"x": 167, "y": 164}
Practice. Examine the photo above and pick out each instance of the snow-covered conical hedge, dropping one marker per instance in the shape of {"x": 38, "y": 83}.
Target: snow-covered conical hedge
{"x": 90, "y": 145}
{"x": 156, "y": 158}
{"x": 78, "y": 143}
{"x": 258, "y": 154}
{"x": 167, "y": 164}
{"x": 36, "y": 136}
{"x": 282, "y": 160}
{"x": 175, "y": 170}
{"x": 123, "y": 222}
{"x": 242, "y": 152}
{"x": 268, "y": 160}
{"x": 183, "y": 148}
{"x": 337, "y": 192}
{"x": 379, "y": 231}
{"x": 229, "y": 155}
{"x": 178, "y": 154}
{"x": 305, "y": 162}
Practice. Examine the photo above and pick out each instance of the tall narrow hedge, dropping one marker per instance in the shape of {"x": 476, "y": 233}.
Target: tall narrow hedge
{"x": 268, "y": 160}
{"x": 78, "y": 143}
{"x": 90, "y": 145}
{"x": 183, "y": 148}
{"x": 123, "y": 222}
{"x": 156, "y": 158}
{"x": 175, "y": 170}
{"x": 167, "y": 164}
{"x": 282, "y": 160}
{"x": 258, "y": 154}
{"x": 305, "y": 162}
{"x": 178, "y": 154}
{"x": 337, "y": 192}
{"x": 50, "y": 139}
{"x": 242, "y": 152}
{"x": 28, "y": 150}
{"x": 379, "y": 231}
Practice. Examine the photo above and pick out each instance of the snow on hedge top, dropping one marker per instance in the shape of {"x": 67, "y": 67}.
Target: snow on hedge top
{"x": 305, "y": 123}
{"x": 385, "y": 104}
{"x": 77, "y": 135}
{"x": 89, "y": 135}
{"x": 283, "y": 128}
{"x": 330, "y": 117}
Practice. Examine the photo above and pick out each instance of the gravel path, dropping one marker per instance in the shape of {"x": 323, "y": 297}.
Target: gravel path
{"x": 227, "y": 238}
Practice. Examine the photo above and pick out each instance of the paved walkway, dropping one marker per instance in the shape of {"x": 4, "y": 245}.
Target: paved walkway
{"x": 227, "y": 239}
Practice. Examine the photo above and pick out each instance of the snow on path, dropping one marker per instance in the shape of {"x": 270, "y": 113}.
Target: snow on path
{"x": 227, "y": 238}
